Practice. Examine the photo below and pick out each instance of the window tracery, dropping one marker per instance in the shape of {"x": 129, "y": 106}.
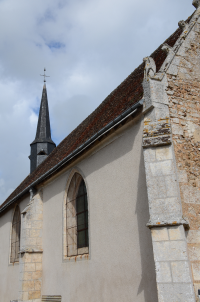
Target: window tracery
{"x": 77, "y": 217}
{"x": 15, "y": 236}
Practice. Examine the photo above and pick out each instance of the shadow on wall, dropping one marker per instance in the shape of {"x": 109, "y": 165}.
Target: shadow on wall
{"x": 120, "y": 151}
{"x": 113, "y": 155}
{"x": 108, "y": 286}
{"x": 9, "y": 273}
{"x": 107, "y": 279}
{"x": 148, "y": 280}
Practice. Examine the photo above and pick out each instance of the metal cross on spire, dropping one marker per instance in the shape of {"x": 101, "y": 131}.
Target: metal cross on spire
{"x": 44, "y": 75}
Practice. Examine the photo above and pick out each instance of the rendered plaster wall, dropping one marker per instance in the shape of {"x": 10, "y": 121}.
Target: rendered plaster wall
{"x": 9, "y": 272}
{"x": 120, "y": 265}
{"x": 184, "y": 96}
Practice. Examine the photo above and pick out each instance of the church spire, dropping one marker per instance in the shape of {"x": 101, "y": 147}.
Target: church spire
{"x": 43, "y": 133}
{"x": 42, "y": 145}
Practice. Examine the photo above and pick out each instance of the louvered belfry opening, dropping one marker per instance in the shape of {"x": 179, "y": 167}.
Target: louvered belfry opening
{"x": 15, "y": 236}
{"x": 77, "y": 217}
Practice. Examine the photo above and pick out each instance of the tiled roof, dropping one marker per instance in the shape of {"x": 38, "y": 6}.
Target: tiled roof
{"x": 129, "y": 92}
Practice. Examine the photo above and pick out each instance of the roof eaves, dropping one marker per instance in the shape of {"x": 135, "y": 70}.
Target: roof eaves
{"x": 76, "y": 152}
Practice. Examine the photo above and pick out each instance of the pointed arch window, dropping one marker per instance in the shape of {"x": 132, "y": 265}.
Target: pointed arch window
{"x": 15, "y": 236}
{"x": 77, "y": 217}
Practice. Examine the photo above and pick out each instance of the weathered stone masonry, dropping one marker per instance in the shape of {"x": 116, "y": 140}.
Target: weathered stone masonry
{"x": 184, "y": 107}
{"x": 167, "y": 225}
{"x": 31, "y": 250}
{"x": 171, "y": 142}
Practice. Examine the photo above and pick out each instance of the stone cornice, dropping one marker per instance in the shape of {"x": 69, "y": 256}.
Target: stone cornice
{"x": 174, "y": 222}
{"x": 30, "y": 250}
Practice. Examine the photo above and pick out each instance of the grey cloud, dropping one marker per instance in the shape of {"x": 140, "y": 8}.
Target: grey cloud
{"x": 88, "y": 48}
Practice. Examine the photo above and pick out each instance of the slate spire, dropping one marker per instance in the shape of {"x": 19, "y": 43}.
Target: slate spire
{"x": 42, "y": 145}
{"x": 43, "y": 133}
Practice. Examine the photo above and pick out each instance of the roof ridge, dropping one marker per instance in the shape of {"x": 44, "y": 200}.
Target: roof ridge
{"x": 127, "y": 93}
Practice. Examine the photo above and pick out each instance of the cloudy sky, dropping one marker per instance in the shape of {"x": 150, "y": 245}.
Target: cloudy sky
{"x": 88, "y": 48}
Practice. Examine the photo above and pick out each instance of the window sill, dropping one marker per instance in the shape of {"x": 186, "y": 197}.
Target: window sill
{"x": 83, "y": 250}
{"x": 83, "y": 256}
{"x": 14, "y": 263}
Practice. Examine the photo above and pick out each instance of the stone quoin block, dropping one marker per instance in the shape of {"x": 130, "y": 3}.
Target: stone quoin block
{"x": 29, "y": 267}
{"x": 164, "y": 153}
{"x": 156, "y": 188}
{"x": 38, "y": 266}
{"x": 180, "y": 271}
{"x": 160, "y": 234}
{"x": 162, "y": 209}
{"x": 182, "y": 292}
{"x": 171, "y": 185}
{"x": 34, "y": 295}
{"x": 37, "y": 257}
{"x": 27, "y": 276}
{"x": 38, "y": 285}
{"x": 28, "y": 285}
{"x": 162, "y": 168}
{"x": 176, "y": 233}
{"x": 170, "y": 250}
{"x": 36, "y": 275}
{"x": 163, "y": 272}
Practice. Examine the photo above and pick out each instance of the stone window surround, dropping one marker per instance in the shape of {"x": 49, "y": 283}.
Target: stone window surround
{"x": 84, "y": 252}
{"x": 12, "y": 216}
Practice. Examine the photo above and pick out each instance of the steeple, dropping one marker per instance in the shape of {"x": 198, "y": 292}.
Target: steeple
{"x": 43, "y": 133}
{"x": 42, "y": 145}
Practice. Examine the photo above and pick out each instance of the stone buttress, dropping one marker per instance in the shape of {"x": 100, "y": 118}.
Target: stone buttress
{"x": 167, "y": 182}
{"x": 184, "y": 108}
{"x": 31, "y": 249}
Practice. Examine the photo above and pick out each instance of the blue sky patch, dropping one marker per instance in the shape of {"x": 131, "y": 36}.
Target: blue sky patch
{"x": 48, "y": 16}
{"x": 36, "y": 110}
{"x": 55, "y": 45}
{"x": 39, "y": 45}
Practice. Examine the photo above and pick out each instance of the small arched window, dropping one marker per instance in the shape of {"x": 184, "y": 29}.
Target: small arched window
{"x": 15, "y": 236}
{"x": 77, "y": 217}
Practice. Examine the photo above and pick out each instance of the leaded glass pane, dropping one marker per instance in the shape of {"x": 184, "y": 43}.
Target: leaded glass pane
{"x": 82, "y": 216}
{"x": 81, "y": 239}
{"x": 80, "y": 204}
{"x": 81, "y": 221}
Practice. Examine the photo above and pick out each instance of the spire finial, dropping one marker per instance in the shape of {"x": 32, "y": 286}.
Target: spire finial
{"x": 44, "y": 75}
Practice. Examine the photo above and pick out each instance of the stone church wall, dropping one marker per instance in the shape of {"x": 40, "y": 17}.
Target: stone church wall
{"x": 120, "y": 265}
{"x": 184, "y": 96}
{"x": 31, "y": 251}
{"x": 9, "y": 272}
{"x": 171, "y": 150}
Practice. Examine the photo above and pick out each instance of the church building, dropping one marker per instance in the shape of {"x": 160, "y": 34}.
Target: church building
{"x": 112, "y": 213}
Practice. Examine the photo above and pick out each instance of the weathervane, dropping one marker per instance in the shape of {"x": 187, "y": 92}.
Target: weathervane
{"x": 44, "y": 75}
